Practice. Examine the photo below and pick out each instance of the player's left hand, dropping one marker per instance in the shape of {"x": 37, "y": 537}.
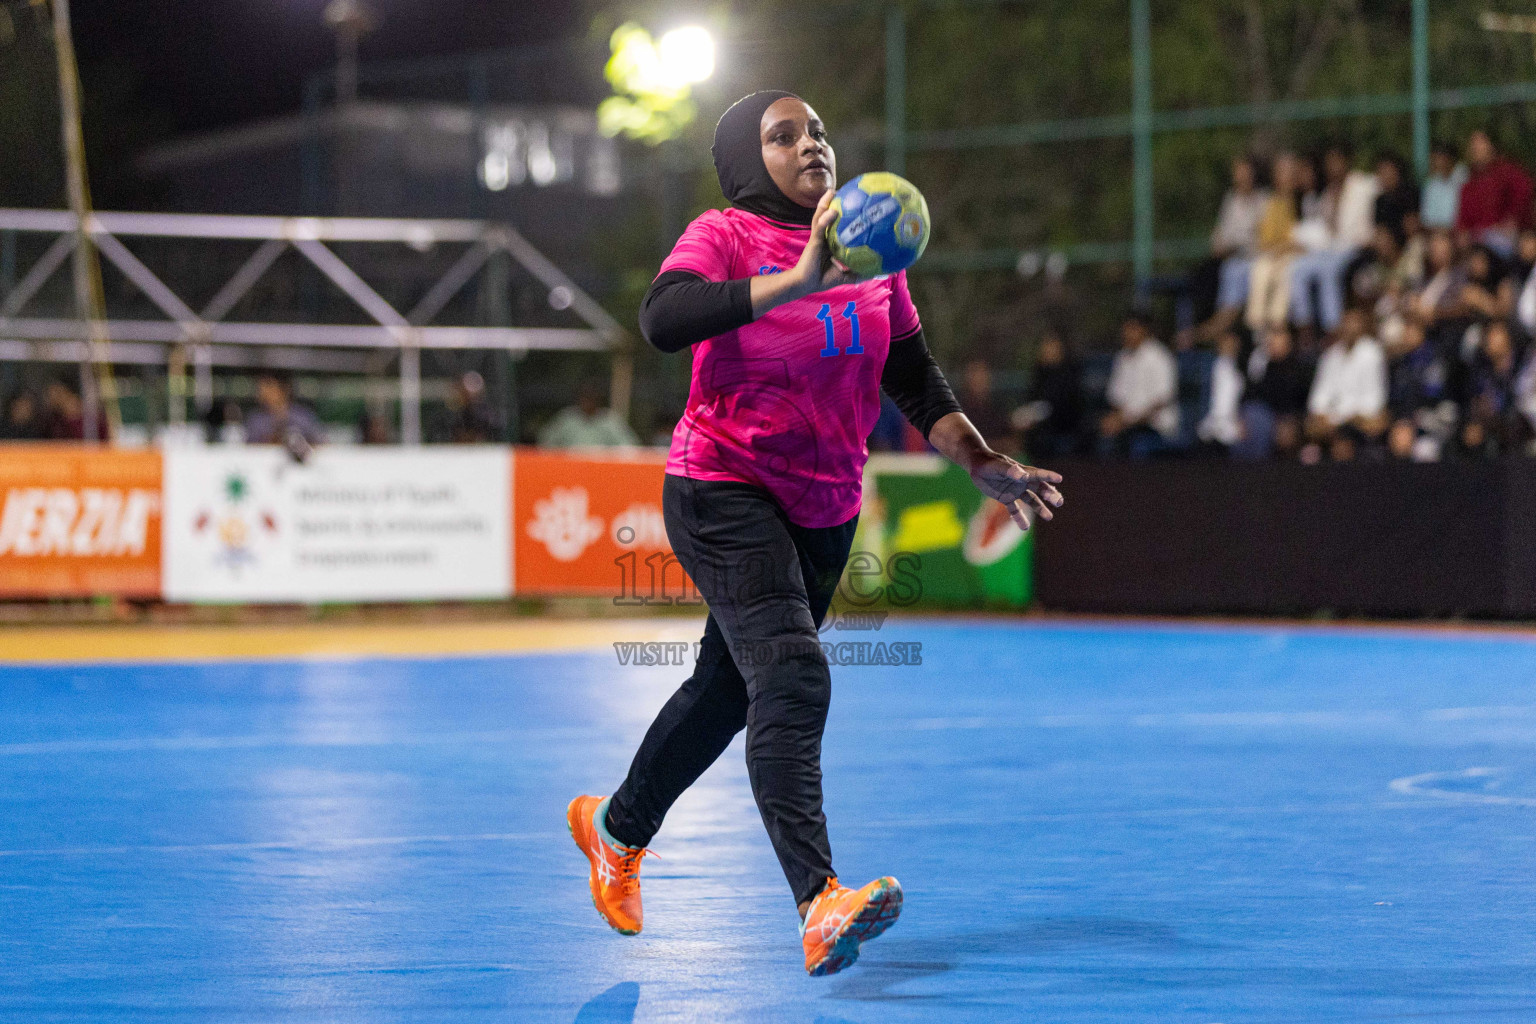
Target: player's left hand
{"x": 997, "y": 476}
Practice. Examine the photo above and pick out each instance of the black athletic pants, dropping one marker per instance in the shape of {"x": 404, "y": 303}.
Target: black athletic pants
{"x": 768, "y": 583}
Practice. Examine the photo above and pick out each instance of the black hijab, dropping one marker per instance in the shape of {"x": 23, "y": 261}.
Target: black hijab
{"x": 738, "y": 152}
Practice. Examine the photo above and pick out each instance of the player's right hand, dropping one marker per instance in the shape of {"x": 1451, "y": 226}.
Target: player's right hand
{"x": 817, "y": 270}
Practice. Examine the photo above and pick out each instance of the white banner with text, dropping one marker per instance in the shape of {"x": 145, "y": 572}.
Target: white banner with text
{"x": 350, "y": 524}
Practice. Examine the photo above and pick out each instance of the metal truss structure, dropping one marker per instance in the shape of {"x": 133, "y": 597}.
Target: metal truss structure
{"x": 204, "y": 338}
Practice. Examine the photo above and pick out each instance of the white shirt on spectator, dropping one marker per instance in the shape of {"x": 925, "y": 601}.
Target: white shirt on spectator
{"x": 1143, "y": 380}
{"x": 1237, "y": 225}
{"x": 1313, "y": 231}
{"x": 1357, "y": 211}
{"x": 1525, "y": 391}
{"x": 1350, "y": 382}
{"x": 1525, "y": 309}
{"x": 1223, "y": 422}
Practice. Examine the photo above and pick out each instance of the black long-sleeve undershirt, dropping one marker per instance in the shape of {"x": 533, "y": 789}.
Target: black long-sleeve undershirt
{"x": 916, "y": 384}
{"x": 681, "y": 309}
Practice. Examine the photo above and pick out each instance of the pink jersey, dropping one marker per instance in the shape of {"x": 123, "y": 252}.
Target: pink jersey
{"x": 787, "y": 401}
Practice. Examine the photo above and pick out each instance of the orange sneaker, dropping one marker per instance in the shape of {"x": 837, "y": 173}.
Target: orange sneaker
{"x": 839, "y": 919}
{"x": 615, "y": 877}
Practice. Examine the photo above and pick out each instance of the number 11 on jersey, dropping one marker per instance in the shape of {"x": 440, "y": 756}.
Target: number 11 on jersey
{"x": 850, "y": 313}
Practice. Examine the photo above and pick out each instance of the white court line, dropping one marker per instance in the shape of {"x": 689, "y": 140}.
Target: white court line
{"x": 1463, "y": 714}
{"x": 1423, "y": 785}
{"x": 1233, "y": 719}
{"x": 930, "y": 821}
{"x": 305, "y": 658}
{"x": 1270, "y": 719}
{"x": 954, "y": 723}
{"x": 286, "y": 844}
{"x": 129, "y": 744}
{"x": 1237, "y": 719}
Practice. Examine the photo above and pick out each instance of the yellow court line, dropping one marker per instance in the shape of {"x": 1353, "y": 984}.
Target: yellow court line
{"x": 34, "y": 644}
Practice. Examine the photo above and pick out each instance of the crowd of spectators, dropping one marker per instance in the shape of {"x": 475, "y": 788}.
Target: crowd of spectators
{"x": 55, "y": 413}
{"x": 276, "y": 417}
{"x": 1344, "y": 313}
{"x": 589, "y": 423}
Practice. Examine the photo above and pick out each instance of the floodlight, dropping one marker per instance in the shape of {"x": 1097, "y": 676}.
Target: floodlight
{"x": 687, "y": 55}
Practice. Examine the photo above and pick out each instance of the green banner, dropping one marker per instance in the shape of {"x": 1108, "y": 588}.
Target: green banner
{"x": 938, "y": 541}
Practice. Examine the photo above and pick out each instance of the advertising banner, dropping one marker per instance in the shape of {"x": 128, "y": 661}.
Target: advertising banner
{"x": 924, "y": 518}
{"x": 78, "y": 522}
{"x": 589, "y": 523}
{"x": 350, "y": 524}
{"x": 249, "y": 524}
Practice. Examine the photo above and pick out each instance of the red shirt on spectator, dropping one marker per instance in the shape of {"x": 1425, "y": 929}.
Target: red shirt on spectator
{"x": 72, "y": 428}
{"x": 1499, "y": 191}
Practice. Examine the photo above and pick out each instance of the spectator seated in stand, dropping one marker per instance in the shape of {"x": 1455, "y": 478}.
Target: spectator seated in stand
{"x": 1394, "y": 248}
{"x": 1385, "y": 278}
{"x": 1269, "y": 278}
{"x": 374, "y": 427}
{"x": 1339, "y": 228}
{"x": 1222, "y": 425}
{"x": 1440, "y": 198}
{"x": 1050, "y": 419}
{"x": 471, "y": 419}
{"x": 981, "y": 409}
{"x": 1347, "y": 407}
{"x": 1517, "y": 278}
{"x": 588, "y": 423}
{"x": 1275, "y": 400}
{"x": 23, "y": 419}
{"x": 1220, "y": 283}
{"x": 1496, "y": 199}
{"x": 224, "y": 422}
{"x": 278, "y": 419}
{"x": 1438, "y": 303}
{"x": 1525, "y": 301}
{"x": 1423, "y": 380}
{"x": 1194, "y": 367}
{"x": 1316, "y": 212}
{"x": 64, "y": 414}
{"x": 1397, "y": 198}
{"x": 1488, "y": 294}
{"x": 1143, "y": 417}
{"x": 1525, "y": 398}
{"x": 1493, "y": 423}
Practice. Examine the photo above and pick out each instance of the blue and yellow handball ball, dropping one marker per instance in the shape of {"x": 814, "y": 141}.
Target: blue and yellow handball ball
{"x": 881, "y": 225}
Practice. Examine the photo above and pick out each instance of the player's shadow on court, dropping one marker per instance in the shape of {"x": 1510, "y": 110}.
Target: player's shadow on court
{"x": 614, "y": 1006}
{"x": 891, "y": 961}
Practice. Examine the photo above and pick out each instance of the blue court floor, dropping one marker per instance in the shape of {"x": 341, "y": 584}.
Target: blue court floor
{"x": 1092, "y": 823}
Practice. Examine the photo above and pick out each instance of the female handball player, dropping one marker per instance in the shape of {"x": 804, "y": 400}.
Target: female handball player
{"x": 761, "y": 496}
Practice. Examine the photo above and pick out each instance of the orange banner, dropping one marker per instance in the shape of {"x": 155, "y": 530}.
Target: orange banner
{"x": 589, "y": 523}
{"x": 78, "y": 522}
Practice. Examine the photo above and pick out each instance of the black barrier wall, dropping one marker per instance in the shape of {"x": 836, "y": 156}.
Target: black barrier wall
{"x": 1395, "y": 539}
